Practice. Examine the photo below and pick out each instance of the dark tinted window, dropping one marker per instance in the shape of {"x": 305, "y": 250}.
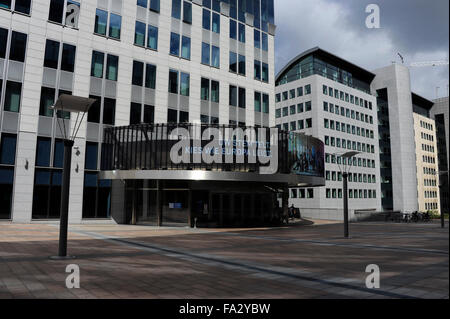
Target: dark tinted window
{"x": 135, "y": 113}
{"x": 172, "y": 116}
{"x": 149, "y": 114}
{"x": 3, "y": 41}
{"x": 22, "y": 6}
{"x": 109, "y": 111}
{"x": 47, "y": 100}
{"x": 68, "y": 58}
{"x": 173, "y": 81}
{"x": 43, "y": 151}
{"x": 18, "y": 46}
{"x": 56, "y": 10}
{"x": 58, "y": 155}
{"x": 184, "y": 117}
{"x": 8, "y": 149}
{"x": 138, "y": 73}
{"x": 51, "y": 54}
{"x": 91, "y": 156}
{"x": 94, "y": 111}
{"x": 150, "y": 76}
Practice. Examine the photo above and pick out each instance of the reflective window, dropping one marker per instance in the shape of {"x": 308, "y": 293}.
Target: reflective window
{"x": 186, "y": 47}
{"x": 265, "y": 104}
{"x": 152, "y": 37}
{"x": 257, "y": 102}
{"x": 215, "y": 56}
{"x": 233, "y": 29}
{"x": 241, "y": 64}
{"x": 175, "y": 44}
{"x": 233, "y": 95}
{"x": 139, "y": 33}
{"x": 233, "y": 62}
{"x": 242, "y": 98}
{"x": 205, "y": 53}
{"x": 184, "y": 84}
{"x": 150, "y": 76}
{"x": 215, "y": 23}
{"x": 242, "y": 32}
{"x": 101, "y": 20}
{"x": 257, "y": 39}
{"x": 12, "y": 96}
{"x": 97, "y": 64}
{"x": 176, "y": 9}
{"x": 257, "y": 70}
{"x": 215, "y": 91}
{"x": 154, "y": 5}
{"x": 187, "y": 12}
{"x": 206, "y": 19}
{"x": 5, "y": 4}
{"x": 115, "y": 22}
{"x": 265, "y": 42}
{"x": 112, "y": 65}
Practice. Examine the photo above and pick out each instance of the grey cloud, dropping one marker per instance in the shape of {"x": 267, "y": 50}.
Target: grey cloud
{"x": 416, "y": 28}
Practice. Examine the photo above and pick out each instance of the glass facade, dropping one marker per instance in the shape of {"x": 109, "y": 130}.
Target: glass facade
{"x": 313, "y": 64}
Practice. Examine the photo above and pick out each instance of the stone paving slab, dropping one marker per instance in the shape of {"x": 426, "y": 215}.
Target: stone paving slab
{"x": 298, "y": 261}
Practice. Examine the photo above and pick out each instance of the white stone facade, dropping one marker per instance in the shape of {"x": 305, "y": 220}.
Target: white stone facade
{"x": 38, "y": 28}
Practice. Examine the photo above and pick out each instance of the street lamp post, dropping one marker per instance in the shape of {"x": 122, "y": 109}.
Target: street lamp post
{"x": 345, "y": 170}
{"x": 72, "y": 104}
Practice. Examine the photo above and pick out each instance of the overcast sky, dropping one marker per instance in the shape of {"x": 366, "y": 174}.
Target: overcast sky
{"x": 418, "y": 29}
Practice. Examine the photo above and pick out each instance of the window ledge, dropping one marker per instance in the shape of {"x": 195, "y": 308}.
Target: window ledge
{"x": 16, "y": 12}
{"x": 107, "y": 37}
{"x": 62, "y": 25}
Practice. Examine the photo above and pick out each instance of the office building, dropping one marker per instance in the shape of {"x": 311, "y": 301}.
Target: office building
{"x": 145, "y": 62}
{"x": 407, "y": 152}
{"x": 439, "y": 112}
{"x": 325, "y": 96}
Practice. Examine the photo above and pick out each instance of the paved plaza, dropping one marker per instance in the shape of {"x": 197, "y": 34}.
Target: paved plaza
{"x": 305, "y": 260}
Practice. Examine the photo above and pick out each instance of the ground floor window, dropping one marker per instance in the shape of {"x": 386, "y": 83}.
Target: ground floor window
{"x": 96, "y": 196}
{"x": 6, "y": 191}
{"x": 47, "y": 193}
